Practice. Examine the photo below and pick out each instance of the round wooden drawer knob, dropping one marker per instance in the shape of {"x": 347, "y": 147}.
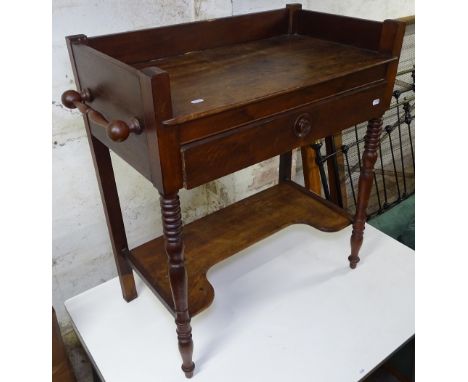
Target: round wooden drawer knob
{"x": 302, "y": 125}
{"x": 119, "y": 131}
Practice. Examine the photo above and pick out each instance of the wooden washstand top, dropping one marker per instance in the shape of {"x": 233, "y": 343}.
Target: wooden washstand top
{"x": 213, "y": 80}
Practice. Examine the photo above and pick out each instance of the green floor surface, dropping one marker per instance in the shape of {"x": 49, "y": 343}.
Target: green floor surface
{"x": 398, "y": 222}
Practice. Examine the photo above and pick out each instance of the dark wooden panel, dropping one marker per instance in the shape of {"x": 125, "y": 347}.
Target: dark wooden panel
{"x": 230, "y": 230}
{"x": 225, "y": 153}
{"x": 163, "y": 143}
{"x": 230, "y": 76}
{"x": 342, "y": 29}
{"x": 149, "y": 44}
{"x": 391, "y": 41}
{"x": 116, "y": 94}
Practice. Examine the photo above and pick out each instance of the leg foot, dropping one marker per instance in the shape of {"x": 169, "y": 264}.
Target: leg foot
{"x": 353, "y": 261}
{"x": 112, "y": 210}
{"x": 374, "y": 129}
{"x": 172, "y": 224}
{"x": 189, "y": 373}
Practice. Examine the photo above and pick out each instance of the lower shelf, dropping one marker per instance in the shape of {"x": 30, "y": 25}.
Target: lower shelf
{"x": 215, "y": 237}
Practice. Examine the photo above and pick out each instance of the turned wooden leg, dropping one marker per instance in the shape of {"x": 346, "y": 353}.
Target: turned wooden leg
{"x": 172, "y": 224}
{"x": 115, "y": 224}
{"x": 374, "y": 128}
{"x": 310, "y": 170}
{"x": 285, "y": 165}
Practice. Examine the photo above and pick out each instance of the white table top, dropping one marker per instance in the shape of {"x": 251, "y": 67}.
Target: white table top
{"x": 286, "y": 309}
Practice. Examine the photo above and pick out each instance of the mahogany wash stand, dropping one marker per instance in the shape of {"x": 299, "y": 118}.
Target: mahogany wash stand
{"x": 189, "y": 103}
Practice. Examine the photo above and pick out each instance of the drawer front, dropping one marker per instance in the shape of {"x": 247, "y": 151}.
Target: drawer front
{"x": 228, "y": 152}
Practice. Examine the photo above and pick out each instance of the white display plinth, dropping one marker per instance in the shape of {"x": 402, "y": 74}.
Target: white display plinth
{"x": 288, "y": 308}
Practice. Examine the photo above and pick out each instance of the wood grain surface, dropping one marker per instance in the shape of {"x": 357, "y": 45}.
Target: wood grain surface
{"x": 213, "y": 80}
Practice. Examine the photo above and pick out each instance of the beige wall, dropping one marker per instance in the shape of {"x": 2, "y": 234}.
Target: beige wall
{"x": 81, "y": 251}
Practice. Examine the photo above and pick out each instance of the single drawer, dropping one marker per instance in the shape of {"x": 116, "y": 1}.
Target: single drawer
{"x": 224, "y": 153}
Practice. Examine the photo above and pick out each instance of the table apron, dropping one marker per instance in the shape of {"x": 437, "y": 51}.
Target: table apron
{"x": 224, "y": 153}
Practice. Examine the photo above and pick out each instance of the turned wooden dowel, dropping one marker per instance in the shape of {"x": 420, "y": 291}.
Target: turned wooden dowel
{"x": 117, "y": 130}
{"x": 369, "y": 157}
{"x": 172, "y": 226}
